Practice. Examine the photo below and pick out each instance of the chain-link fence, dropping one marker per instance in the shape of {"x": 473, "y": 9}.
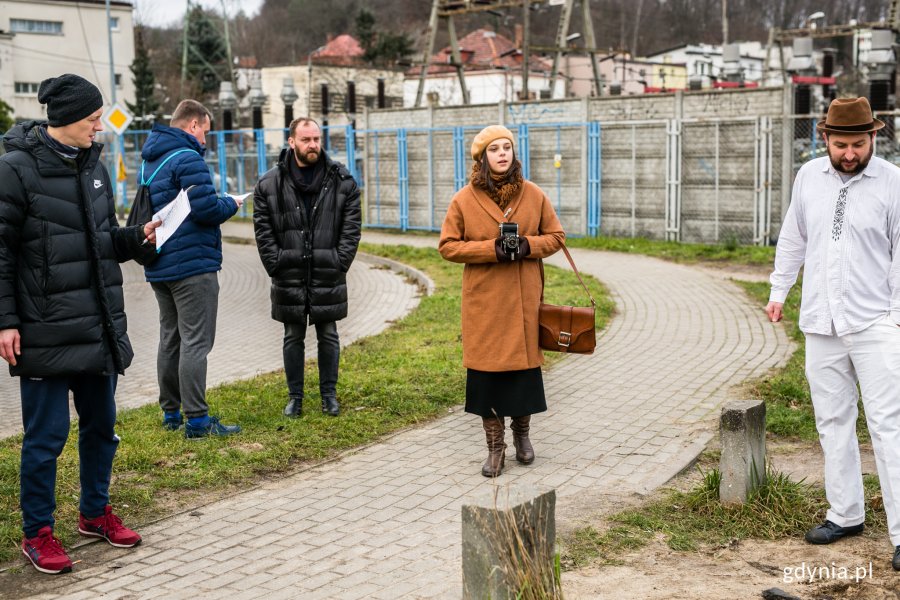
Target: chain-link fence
{"x": 807, "y": 143}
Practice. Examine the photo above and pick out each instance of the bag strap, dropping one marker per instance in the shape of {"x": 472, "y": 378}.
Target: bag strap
{"x": 577, "y": 274}
{"x": 162, "y": 164}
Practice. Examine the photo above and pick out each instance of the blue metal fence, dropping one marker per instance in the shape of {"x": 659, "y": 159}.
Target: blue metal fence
{"x": 236, "y": 158}
{"x": 409, "y": 180}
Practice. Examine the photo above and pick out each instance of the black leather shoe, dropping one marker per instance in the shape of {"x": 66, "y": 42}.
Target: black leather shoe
{"x": 896, "y": 562}
{"x": 294, "y": 408}
{"x": 829, "y": 532}
{"x": 330, "y": 406}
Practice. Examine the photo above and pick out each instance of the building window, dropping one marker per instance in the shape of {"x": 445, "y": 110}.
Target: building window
{"x": 118, "y": 80}
{"x": 114, "y": 23}
{"x": 32, "y": 26}
{"x": 27, "y": 87}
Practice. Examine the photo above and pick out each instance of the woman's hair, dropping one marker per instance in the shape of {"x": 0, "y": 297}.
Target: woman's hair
{"x": 482, "y": 176}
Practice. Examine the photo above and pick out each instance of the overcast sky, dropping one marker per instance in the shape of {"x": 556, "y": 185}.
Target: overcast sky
{"x": 158, "y": 13}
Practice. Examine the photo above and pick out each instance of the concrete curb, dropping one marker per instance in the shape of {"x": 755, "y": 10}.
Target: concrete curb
{"x": 424, "y": 282}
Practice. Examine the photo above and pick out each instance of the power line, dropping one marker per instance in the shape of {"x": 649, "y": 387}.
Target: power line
{"x": 67, "y": 57}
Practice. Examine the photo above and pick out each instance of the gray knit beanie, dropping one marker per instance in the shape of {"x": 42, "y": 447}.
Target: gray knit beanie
{"x": 69, "y": 98}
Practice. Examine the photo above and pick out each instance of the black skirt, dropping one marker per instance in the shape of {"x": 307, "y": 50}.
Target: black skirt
{"x": 505, "y": 393}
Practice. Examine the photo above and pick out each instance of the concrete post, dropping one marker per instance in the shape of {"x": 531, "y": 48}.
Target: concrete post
{"x": 787, "y": 150}
{"x": 743, "y": 461}
{"x": 508, "y": 540}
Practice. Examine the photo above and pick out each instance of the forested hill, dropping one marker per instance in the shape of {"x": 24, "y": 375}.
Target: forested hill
{"x": 291, "y": 28}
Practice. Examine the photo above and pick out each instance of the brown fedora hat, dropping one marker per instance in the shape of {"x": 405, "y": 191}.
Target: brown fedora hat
{"x": 849, "y": 115}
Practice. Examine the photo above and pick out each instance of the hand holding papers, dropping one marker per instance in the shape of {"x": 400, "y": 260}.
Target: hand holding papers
{"x": 150, "y": 232}
{"x": 172, "y": 215}
{"x": 240, "y": 198}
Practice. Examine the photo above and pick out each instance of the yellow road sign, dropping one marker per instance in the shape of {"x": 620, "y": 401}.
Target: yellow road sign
{"x": 117, "y": 118}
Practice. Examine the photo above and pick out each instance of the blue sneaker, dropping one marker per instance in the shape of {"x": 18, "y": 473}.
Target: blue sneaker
{"x": 212, "y": 428}
{"x": 172, "y": 420}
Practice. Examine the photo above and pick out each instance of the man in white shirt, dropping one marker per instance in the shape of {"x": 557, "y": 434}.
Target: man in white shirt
{"x": 843, "y": 225}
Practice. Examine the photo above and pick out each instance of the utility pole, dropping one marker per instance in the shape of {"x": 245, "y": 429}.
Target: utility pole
{"x": 429, "y": 50}
{"x": 457, "y": 60}
{"x": 526, "y": 43}
{"x": 562, "y": 32}
{"x": 591, "y": 41}
{"x": 184, "y": 47}
{"x": 228, "y": 46}
{"x": 724, "y": 22}
{"x": 112, "y": 100}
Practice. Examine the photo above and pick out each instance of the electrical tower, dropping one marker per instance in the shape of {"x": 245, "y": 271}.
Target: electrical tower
{"x": 447, "y": 9}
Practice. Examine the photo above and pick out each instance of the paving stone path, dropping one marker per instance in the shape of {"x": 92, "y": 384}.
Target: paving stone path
{"x": 384, "y": 521}
{"x": 248, "y": 341}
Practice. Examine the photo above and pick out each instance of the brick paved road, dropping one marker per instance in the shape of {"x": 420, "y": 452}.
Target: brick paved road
{"x": 248, "y": 341}
{"x": 384, "y": 521}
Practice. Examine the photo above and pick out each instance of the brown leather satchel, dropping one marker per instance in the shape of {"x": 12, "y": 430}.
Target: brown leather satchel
{"x": 567, "y": 328}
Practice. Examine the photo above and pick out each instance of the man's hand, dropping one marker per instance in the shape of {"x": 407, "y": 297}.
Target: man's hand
{"x": 10, "y": 346}
{"x": 150, "y": 231}
{"x": 773, "y": 309}
{"x": 239, "y": 201}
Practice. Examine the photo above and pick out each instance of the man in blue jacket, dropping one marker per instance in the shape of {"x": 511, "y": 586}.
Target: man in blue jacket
{"x": 184, "y": 276}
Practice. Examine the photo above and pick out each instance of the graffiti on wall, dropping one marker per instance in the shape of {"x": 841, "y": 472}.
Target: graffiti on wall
{"x": 535, "y": 113}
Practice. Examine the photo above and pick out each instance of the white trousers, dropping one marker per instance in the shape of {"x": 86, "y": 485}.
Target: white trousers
{"x": 833, "y": 367}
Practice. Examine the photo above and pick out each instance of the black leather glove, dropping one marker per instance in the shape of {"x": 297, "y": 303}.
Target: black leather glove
{"x": 524, "y": 247}
{"x": 502, "y": 256}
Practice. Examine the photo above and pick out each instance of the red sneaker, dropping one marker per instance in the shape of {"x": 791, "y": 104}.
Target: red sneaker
{"x": 109, "y": 527}
{"x": 46, "y": 553}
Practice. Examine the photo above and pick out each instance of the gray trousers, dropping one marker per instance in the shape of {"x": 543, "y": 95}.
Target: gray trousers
{"x": 187, "y": 330}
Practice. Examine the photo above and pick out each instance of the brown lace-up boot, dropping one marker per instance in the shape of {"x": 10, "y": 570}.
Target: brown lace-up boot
{"x": 494, "y": 429}
{"x": 524, "y": 451}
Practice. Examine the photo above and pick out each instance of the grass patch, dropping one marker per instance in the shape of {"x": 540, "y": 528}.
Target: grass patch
{"x": 728, "y": 251}
{"x": 406, "y": 375}
{"x": 694, "y": 519}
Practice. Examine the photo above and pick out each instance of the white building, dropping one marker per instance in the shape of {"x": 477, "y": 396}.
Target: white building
{"x": 707, "y": 61}
{"x": 46, "y": 38}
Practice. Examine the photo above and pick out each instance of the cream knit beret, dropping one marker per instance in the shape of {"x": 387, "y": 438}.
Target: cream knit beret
{"x": 488, "y": 135}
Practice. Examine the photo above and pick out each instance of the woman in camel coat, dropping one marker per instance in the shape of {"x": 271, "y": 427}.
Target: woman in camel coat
{"x": 501, "y": 291}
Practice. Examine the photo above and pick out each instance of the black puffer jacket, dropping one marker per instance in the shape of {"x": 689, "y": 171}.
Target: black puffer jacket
{"x": 307, "y": 262}
{"x": 60, "y": 248}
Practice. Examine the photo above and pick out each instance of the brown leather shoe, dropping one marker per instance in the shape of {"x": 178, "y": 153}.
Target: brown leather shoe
{"x": 494, "y": 428}
{"x": 524, "y": 451}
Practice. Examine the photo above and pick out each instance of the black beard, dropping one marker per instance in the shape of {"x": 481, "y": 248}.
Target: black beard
{"x": 302, "y": 158}
{"x": 863, "y": 163}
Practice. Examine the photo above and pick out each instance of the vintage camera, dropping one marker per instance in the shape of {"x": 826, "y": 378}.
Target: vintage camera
{"x": 509, "y": 239}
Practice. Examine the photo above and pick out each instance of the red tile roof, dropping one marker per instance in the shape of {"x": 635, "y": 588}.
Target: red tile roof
{"x": 485, "y": 49}
{"x": 342, "y": 50}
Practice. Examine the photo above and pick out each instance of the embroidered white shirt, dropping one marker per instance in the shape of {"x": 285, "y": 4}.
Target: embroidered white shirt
{"x": 846, "y": 235}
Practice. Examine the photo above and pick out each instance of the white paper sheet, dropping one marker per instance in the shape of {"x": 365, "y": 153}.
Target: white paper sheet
{"x": 172, "y": 216}
{"x": 240, "y": 197}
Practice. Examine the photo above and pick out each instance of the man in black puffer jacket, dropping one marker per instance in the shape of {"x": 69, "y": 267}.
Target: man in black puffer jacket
{"x": 62, "y": 310}
{"x": 307, "y": 218}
